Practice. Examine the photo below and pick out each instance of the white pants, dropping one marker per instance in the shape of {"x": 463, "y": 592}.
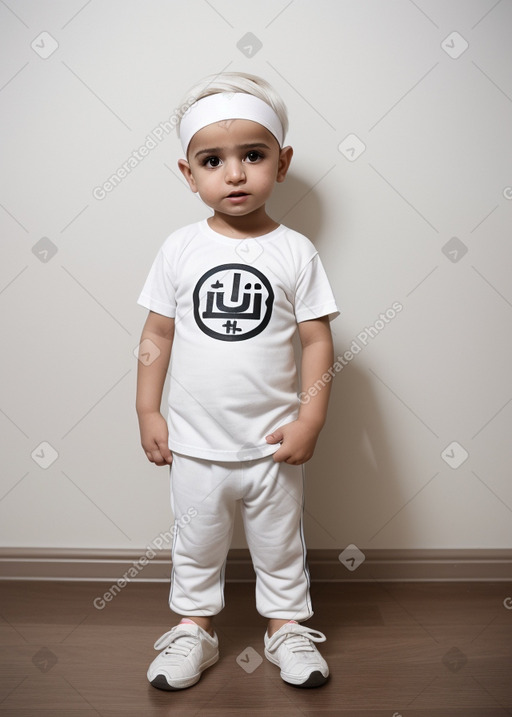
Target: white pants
{"x": 271, "y": 497}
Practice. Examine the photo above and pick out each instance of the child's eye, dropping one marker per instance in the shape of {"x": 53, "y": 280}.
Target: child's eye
{"x": 211, "y": 162}
{"x": 254, "y": 156}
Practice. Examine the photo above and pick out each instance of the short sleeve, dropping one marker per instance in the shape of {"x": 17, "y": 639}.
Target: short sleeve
{"x": 158, "y": 293}
{"x": 313, "y": 296}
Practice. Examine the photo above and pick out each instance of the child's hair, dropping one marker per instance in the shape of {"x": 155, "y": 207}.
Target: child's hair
{"x": 238, "y": 82}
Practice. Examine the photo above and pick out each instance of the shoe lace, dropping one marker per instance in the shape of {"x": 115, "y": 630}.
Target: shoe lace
{"x": 298, "y": 638}
{"x": 177, "y": 642}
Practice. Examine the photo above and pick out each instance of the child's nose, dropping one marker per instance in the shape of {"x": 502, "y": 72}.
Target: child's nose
{"x": 234, "y": 171}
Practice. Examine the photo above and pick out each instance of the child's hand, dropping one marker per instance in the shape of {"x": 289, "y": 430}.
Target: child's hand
{"x": 154, "y": 436}
{"x": 298, "y": 440}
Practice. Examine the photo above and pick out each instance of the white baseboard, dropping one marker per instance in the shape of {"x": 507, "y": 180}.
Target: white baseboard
{"x": 324, "y": 565}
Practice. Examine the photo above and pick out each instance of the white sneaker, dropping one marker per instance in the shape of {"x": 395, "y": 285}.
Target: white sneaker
{"x": 291, "y": 648}
{"x": 188, "y": 651}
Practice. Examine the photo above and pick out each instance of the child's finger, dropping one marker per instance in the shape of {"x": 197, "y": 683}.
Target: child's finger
{"x": 276, "y": 437}
{"x": 164, "y": 452}
{"x": 281, "y": 455}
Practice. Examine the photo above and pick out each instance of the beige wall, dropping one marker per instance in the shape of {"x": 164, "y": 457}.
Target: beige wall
{"x": 437, "y": 165}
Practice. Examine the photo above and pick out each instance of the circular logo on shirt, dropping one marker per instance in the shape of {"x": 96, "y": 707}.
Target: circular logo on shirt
{"x": 233, "y": 302}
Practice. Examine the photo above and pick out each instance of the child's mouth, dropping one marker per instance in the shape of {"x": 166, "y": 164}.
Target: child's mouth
{"x": 237, "y": 197}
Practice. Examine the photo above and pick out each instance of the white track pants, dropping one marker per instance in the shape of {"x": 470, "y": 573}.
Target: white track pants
{"x": 271, "y": 500}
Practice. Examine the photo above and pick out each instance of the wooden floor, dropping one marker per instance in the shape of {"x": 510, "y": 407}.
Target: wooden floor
{"x": 394, "y": 650}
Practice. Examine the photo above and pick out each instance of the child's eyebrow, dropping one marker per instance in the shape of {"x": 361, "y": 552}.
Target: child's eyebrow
{"x": 217, "y": 150}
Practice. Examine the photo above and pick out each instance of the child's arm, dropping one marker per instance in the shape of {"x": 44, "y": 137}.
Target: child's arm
{"x": 154, "y": 433}
{"x": 299, "y": 437}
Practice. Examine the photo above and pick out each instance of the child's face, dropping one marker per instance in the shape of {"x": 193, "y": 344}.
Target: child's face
{"x": 234, "y": 165}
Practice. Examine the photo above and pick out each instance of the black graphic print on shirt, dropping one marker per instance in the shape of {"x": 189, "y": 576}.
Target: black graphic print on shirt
{"x": 233, "y": 302}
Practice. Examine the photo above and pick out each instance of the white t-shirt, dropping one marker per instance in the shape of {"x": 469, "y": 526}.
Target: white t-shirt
{"x": 236, "y": 305}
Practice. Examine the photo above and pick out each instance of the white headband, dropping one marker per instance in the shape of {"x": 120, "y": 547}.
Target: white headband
{"x": 228, "y": 105}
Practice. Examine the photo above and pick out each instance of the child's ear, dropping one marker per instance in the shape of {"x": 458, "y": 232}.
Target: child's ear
{"x": 285, "y": 157}
{"x": 187, "y": 173}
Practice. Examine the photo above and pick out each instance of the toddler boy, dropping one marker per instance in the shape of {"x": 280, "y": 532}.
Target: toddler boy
{"x": 227, "y": 295}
